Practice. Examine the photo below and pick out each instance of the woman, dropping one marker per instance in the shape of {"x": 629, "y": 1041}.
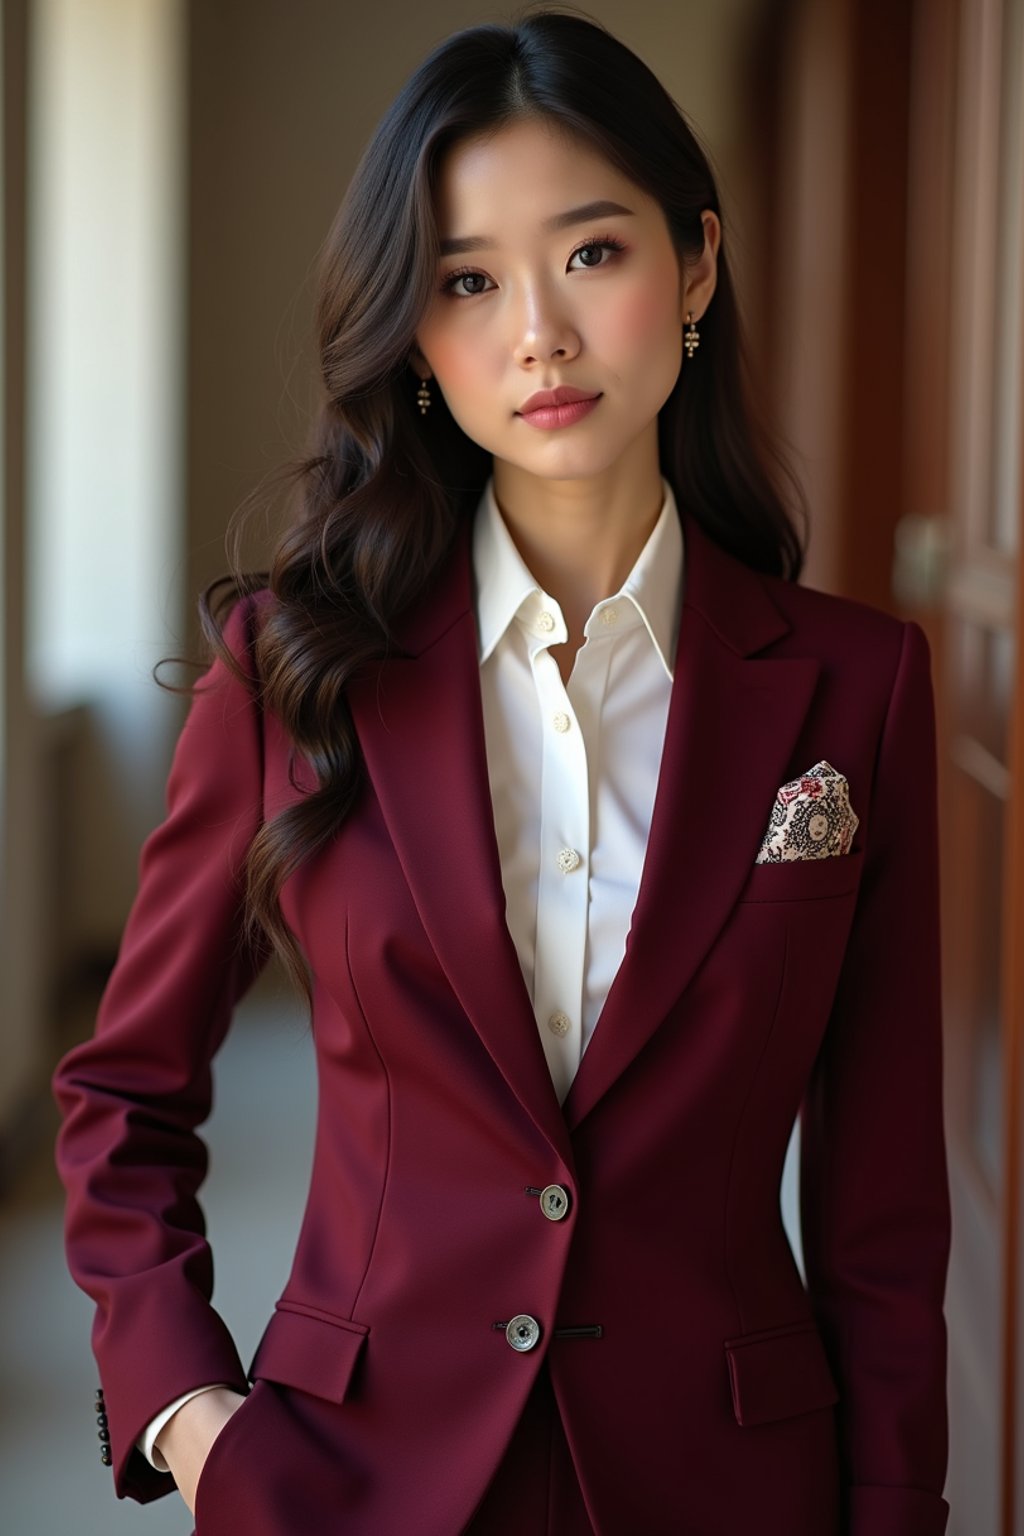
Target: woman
{"x": 601, "y": 847}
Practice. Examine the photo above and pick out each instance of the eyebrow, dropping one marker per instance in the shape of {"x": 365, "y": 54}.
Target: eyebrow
{"x": 602, "y": 209}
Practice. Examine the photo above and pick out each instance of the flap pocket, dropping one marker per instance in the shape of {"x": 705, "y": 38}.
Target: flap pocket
{"x": 779, "y": 1372}
{"x": 313, "y": 1352}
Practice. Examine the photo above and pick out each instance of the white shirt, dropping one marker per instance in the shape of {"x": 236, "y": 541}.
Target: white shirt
{"x": 573, "y": 772}
{"x": 573, "y": 769}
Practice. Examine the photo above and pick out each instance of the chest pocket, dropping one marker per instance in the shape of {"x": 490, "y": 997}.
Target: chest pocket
{"x": 804, "y": 879}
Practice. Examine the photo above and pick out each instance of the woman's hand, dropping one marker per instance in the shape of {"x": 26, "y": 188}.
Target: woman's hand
{"x": 186, "y": 1438}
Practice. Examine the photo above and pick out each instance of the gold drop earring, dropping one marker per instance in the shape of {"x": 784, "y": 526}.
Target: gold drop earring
{"x": 423, "y": 397}
{"x": 691, "y": 338}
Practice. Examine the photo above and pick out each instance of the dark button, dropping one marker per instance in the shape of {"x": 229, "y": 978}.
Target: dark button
{"x": 103, "y": 1434}
{"x": 105, "y": 1455}
{"x": 101, "y": 1417}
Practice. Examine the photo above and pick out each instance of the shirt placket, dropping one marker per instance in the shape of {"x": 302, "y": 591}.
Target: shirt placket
{"x": 562, "y": 890}
{"x": 587, "y": 691}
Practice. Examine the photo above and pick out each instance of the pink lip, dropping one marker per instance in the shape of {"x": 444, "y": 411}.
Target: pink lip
{"x": 560, "y": 407}
{"x": 563, "y": 395}
{"x": 561, "y": 415}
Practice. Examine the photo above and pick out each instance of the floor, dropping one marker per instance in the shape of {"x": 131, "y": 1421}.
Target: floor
{"x": 260, "y": 1137}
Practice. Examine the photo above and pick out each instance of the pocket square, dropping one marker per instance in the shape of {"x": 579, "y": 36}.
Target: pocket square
{"x": 811, "y": 818}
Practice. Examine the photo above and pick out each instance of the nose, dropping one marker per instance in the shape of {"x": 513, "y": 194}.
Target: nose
{"x": 544, "y": 331}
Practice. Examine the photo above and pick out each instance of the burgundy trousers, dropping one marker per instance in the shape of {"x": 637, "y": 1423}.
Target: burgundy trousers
{"x": 535, "y": 1491}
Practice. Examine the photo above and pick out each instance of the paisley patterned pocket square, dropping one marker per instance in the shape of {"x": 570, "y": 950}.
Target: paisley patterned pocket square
{"x": 811, "y": 818}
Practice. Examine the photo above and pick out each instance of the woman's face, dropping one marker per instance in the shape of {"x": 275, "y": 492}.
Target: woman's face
{"x": 597, "y": 302}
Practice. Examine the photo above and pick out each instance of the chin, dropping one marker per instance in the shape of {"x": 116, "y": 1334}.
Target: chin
{"x": 562, "y": 461}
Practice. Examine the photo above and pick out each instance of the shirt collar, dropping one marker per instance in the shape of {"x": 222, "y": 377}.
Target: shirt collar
{"x": 504, "y": 582}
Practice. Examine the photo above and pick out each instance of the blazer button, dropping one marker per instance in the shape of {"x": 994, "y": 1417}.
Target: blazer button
{"x": 522, "y": 1332}
{"x": 554, "y": 1202}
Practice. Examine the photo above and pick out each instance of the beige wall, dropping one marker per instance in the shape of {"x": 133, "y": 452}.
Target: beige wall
{"x": 21, "y": 896}
{"x": 92, "y": 508}
{"x": 812, "y": 235}
{"x": 104, "y": 391}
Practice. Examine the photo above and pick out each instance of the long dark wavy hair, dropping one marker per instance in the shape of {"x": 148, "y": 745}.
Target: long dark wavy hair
{"x": 376, "y": 503}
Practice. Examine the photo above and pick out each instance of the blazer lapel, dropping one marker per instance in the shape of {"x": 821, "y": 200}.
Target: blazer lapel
{"x": 419, "y": 719}
{"x": 732, "y": 727}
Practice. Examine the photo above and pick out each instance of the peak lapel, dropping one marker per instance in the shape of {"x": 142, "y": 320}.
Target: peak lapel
{"x": 732, "y": 726}
{"x": 419, "y": 719}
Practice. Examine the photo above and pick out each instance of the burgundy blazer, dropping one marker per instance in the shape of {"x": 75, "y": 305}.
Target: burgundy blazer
{"x": 703, "y": 1387}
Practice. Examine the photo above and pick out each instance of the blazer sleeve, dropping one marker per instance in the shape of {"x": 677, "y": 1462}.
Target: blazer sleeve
{"x": 132, "y": 1096}
{"x": 874, "y": 1194}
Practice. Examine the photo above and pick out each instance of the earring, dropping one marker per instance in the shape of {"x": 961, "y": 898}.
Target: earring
{"x": 691, "y": 339}
{"x": 423, "y": 397}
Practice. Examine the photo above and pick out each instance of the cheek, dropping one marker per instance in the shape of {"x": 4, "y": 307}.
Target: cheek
{"x": 643, "y": 320}
{"x": 453, "y": 361}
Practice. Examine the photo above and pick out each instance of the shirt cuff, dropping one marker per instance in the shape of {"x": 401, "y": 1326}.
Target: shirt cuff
{"x": 153, "y": 1428}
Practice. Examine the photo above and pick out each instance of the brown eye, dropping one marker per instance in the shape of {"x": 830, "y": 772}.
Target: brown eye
{"x": 463, "y": 275}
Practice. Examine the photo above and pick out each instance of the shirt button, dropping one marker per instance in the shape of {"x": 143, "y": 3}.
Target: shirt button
{"x": 561, "y": 721}
{"x": 545, "y": 621}
{"x": 609, "y": 615}
{"x": 522, "y": 1332}
{"x": 568, "y": 860}
{"x": 559, "y": 1023}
